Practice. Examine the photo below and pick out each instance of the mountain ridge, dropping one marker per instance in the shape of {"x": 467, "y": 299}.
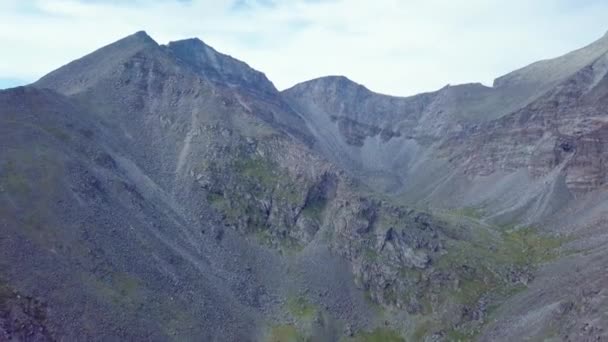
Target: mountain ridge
{"x": 177, "y": 194}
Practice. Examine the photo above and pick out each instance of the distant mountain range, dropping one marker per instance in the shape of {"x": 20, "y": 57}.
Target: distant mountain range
{"x": 171, "y": 192}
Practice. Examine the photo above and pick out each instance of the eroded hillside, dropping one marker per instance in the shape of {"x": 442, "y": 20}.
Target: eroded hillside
{"x": 170, "y": 192}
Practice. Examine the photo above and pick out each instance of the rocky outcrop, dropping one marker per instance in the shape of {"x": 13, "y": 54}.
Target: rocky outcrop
{"x": 22, "y": 318}
{"x": 562, "y": 130}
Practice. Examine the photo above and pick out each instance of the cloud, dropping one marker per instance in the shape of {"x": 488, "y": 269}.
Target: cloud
{"x": 399, "y": 47}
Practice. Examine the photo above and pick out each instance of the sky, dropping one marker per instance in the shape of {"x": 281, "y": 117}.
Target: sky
{"x": 397, "y": 47}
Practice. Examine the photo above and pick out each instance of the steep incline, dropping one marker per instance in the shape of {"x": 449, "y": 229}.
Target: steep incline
{"x": 84, "y": 73}
{"x": 219, "y": 68}
{"x": 530, "y": 82}
{"x": 528, "y": 151}
{"x": 173, "y": 207}
{"x": 250, "y": 87}
{"x": 444, "y": 147}
{"x": 99, "y": 249}
{"x": 171, "y": 192}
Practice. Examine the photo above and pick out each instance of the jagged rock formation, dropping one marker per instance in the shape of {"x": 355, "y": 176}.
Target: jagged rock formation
{"x": 171, "y": 192}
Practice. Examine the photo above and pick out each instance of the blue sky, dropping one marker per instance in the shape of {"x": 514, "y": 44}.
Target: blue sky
{"x": 399, "y": 47}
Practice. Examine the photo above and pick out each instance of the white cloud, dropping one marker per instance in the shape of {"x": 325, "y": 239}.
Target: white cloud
{"x": 399, "y": 47}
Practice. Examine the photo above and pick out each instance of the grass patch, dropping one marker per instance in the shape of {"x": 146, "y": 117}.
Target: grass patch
{"x": 175, "y": 321}
{"x": 314, "y": 208}
{"x": 5, "y": 294}
{"x": 258, "y": 169}
{"x": 486, "y": 263}
{"x": 31, "y": 178}
{"x": 377, "y": 335}
{"x": 370, "y": 254}
{"x": 470, "y": 212}
{"x": 493, "y": 265}
{"x": 526, "y": 246}
{"x": 289, "y": 192}
{"x": 455, "y": 335}
{"x": 216, "y": 200}
{"x": 13, "y": 181}
{"x": 286, "y": 333}
{"x": 121, "y": 289}
{"x": 423, "y": 329}
{"x": 301, "y": 309}
{"x": 286, "y": 244}
{"x": 373, "y": 304}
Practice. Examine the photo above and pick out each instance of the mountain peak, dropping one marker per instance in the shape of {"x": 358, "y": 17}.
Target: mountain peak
{"x": 142, "y": 36}
{"x": 136, "y": 41}
{"x": 90, "y": 68}
{"x": 335, "y": 82}
{"x": 218, "y": 67}
{"x": 191, "y": 41}
{"x": 334, "y": 79}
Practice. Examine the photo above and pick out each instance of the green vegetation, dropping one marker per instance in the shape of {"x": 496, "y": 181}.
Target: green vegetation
{"x": 121, "y": 289}
{"x": 285, "y": 244}
{"x": 126, "y": 284}
{"x": 526, "y": 246}
{"x": 470, "y": 212}
{"x": 379, "y": 310}
{"x": 175, "y": 319}
{"x": 31, "y": 178}
{"x": 5, "y": 293}
{"x": 286, "y": 333}
{"x": 301, "y": 309}
{"x": 13, "y": 181}
{"x": 370, "y": 255}
{"x": 455, "y": 335}
{"x": 128, "y": 294}
{"x": 258, "y": 198}
{"x": 487, "y": 262}
{"x": 57, "y": 132}
{"x": 216, "y": 200}
{"x": 289, "y": 192}
{"x": 423, "y": 328}
{"x": 378, "y": 335}
{"x": 486, "y": 265}
{"x": 258, "y": 169}
{"x": 481, "y": 261}
{"x": 387, "y": 221}
{"x": 314, "y": 208}
{"x": 264, "y": 176}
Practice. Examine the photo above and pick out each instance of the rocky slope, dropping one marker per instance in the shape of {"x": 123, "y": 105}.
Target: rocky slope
{"x": 145, "y": 197}
{"x": 170, "y": 192}
{"x": 438, "y": 147}
{"x": 534, "y": 157}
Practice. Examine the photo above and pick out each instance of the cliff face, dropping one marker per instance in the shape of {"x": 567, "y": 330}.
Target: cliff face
{"x": 171, "y": 192}
{"x": 563, "y": 129}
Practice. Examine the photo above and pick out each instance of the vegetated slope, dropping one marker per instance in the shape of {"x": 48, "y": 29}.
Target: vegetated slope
{"x": 171, "y": 192}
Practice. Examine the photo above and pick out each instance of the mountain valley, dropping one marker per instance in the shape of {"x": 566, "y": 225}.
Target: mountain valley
{"x": 171, "y": 192}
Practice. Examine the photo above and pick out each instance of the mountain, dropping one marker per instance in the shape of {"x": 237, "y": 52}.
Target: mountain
{"x": 435, "y": 146}
{"x": 171, "y": 192}
{"x": 534, "y": 159}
